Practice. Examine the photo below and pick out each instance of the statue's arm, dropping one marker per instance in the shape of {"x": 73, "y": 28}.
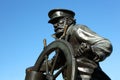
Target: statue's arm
{"x": 100, "y": 46}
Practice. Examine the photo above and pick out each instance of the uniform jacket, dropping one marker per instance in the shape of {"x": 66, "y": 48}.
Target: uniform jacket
{"x": 101, "y": 47}
{"x": 76, "y": 34}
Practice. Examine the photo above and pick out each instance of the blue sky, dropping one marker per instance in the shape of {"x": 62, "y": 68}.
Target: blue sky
{"x": 24, "y": 25}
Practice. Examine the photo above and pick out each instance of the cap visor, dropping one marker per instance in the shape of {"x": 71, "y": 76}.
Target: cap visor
{"x": 54, "y": 20}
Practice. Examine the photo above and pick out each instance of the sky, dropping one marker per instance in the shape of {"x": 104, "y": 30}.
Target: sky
{"x": 24, "y": 25}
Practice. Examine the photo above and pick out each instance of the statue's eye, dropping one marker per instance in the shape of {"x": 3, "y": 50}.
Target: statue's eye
{"x": 61, "y": 22}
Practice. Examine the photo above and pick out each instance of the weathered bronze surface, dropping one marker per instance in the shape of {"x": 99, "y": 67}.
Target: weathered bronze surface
{"x": 77, "y": 51}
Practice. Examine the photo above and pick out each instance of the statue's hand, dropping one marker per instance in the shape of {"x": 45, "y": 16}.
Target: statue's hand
{"x": 84, "y": 48}
{"x": 86, "y": 51}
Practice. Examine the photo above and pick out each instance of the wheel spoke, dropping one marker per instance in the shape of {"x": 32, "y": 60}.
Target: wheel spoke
{"x": 59, "y": 71}
{"x": 54, "y": 63}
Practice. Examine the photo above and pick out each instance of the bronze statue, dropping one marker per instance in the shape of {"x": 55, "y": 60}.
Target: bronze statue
{"x": 86, "y": 49}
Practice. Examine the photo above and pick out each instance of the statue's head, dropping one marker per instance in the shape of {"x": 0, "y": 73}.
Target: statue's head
{"x": 59, "y": 18}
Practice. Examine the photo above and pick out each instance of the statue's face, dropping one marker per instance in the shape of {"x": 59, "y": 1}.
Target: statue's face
{"x": 59, "y": 25}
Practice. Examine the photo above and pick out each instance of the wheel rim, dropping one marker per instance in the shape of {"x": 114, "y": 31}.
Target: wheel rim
{"x": 70, "y": 64}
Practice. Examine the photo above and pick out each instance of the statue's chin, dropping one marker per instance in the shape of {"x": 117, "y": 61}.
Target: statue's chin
{"x": 58, "y": 34}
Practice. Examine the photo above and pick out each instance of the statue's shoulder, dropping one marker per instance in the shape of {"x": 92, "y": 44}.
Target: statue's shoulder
{"x": 74, "y": 28}
{"x": 78, "y": 26}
